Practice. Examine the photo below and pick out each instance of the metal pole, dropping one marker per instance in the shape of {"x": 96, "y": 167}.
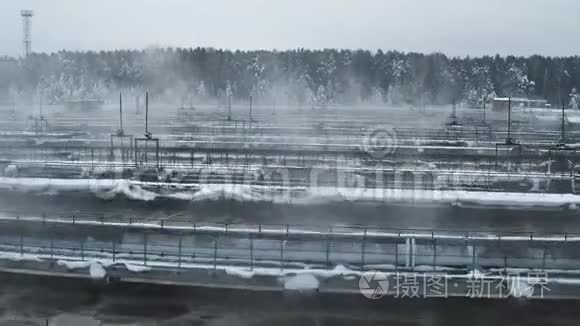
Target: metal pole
{"x": 327, "y": 251}
{"x": 179, "y": 252}
{"x": 251, "y": 252}
{"x": 544, "y": 258}
{"x": 483, "y": 110}
{"x": 21, "y": 241}
{"x": 363, "y": 246}
{"x": 397, "y": 256}
{"x": 145, "y": 249}
{"x": 229, "y": 107}
{"x": 121, "y": 112}
{"x": 434, "y": 254}
{"x": 563, "y": 125}
{"x": 51, "y": 245}
{"x": 146, "y": 112}
{"x": 82, "y": 249}
{"x": 473, "y": 258}
{"x": 215, "y": 249}
{"x": 281, "y": 254}
{"x": 251, "y": 109}
{"x": 509, "y": 126}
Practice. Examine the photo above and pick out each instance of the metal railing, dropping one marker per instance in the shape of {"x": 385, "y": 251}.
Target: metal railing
{"x": 211, "y": 245}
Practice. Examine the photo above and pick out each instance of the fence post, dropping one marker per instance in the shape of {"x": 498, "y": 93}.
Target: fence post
{"x": 328, "y": 251}
{"x": 474, "y": 255}
{"x": 21, "y": 241}
{"x": 251, "y": 252}
{"x": 179, "y": 252}
{"x": 505, "y": 264}
{"x": 215, "y": 249}
{"x": 544, "y": 258}
{"x": 145, "y": 249}
{"x": 408, "y": 252}
{"x": 282, "y": 254}
{"x": 82, "y": 249}
{"x": 412, "y": 252}
{"x": 51, "y": 245}
{"x": 114, "y": 250}
{"x": 434, "y": 254}
{"x": 362, "y": 256}
{"x": 397, "y": 256}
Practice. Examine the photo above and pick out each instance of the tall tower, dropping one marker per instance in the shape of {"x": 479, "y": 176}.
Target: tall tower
{"x": 26, "y": 39}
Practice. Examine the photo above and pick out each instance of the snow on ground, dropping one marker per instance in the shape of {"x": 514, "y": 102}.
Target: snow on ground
{"x": 97, "y": 271}
{"x": 301, "y": 282}
{"x": 135, "y": 190}
{"x": 81, "y": 264}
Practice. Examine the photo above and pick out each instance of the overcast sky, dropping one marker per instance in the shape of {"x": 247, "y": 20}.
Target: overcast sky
{"x": 455, "y": 27}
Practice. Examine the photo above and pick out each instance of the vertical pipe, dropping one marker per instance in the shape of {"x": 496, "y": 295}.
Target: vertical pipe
{"x": 251, "y": 252}
{"x": 328, "y": 251}
{"x": 21, "y": 241}
{"x": 397, "y": 256}
{"x": 434, "y": 254}
{"x": 230, "y": 107}
{"x": 282, "y": 254}
{"x": 145, "y": 249}
{"x": 454, "y": 114}
{"x": 474, "y": 256}
{"x": 215, "y": 249}
{"x": 51, "y": 246}
{"x": 509, "y": 126}
{"x": 146, "y": 112}
{"x": 121, "y": 111}
{"x": 413, "y": 253}
{"x": 408, "y": 252}
{"x": 563, "y": 126}
{"x": 179, "y": 252}
{"x": 83, "y": 249}
{"x": 544, "y": 258}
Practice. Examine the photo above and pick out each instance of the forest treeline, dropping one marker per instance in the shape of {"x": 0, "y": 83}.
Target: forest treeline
{"x": 299, "y": 77}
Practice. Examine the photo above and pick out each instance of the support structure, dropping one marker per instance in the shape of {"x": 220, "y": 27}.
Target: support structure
{"x": 511, "y": 147}
{"x": 251, "y": 117}
{"x": 26, "y": 31}
{"x": 454, "y": 129}
{"x": 509, "y": 140}
{"x": 229, "y": 108}
{"x": 562, "y": 157}
{"x": 142, "y": 152}
{"x": 483, "y": 128}
{"x": 39, "y": 123}
{"x": 120, "y": 140}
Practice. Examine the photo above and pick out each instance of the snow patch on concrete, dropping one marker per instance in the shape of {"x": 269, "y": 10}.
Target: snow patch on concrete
{"x": 301, "y": 282}
{"x": 71, "y": 265}
{"x": 97, "y": 271}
